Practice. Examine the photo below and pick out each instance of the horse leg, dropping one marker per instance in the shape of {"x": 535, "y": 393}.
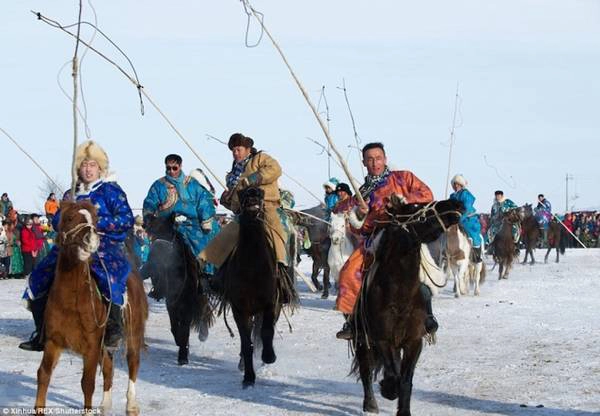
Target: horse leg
{"x": 500, "y": 269}
{"x": 315, "y": 271}
{"x": 88, "y": 379}
{"x": 326, "y": 273}
{"x": 456, "y": 281}
{"x": 244, "y": 326}
{"x": 107, "y": 374}
{"x": 462, "y": 273}
{"x": 176, "y": 329}
{"x": 547, "y": 254}
{"x": 557, "y": 253}
{"x": 44, "y": 373}
{"x": 409, "y": 361}
{"x": 133, "y": 365}
{"x": 366, "y": 377}
{"x": 389, "y": 384}
{"x": 266, "y": 333}
{"x": 532, "y": 258}
{"x": 477, "y": 276}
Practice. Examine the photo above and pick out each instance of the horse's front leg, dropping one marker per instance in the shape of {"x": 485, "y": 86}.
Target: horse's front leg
{"x": 106, "y": 364}
{"x": 407, "y": 370}
{"x": 88, "y": 379}
{"x": 49, "y": 360}
{"x": 366, "y": 377}
{"x": 267, "y": 332}
{"x": 391, "y": 367}
{"x": 557, "y": 253}
{"x": 547, "y": 254}
{"x": 180, "y": 328}
{"x": 244, "y": 325}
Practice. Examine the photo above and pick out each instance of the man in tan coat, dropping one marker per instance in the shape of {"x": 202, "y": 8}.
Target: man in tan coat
{"x": 250, "y": 168}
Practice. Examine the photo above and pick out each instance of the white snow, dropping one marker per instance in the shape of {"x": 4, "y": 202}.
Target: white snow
{"x": 531, "y": 340}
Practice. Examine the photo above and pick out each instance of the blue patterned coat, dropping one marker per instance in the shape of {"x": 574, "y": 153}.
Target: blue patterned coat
{"x": 543, "y": 213}
{"x": 184, "y": 196}
{"x": 469, "y": 220}
{"x": 114, "y": 221}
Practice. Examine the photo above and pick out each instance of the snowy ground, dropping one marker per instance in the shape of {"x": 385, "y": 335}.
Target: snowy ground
{"x": 532, "y": 340}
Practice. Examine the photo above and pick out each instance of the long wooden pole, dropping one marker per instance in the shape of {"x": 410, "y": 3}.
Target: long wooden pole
{"x": 451, "y": 142}
{"x": 312, "y": 107}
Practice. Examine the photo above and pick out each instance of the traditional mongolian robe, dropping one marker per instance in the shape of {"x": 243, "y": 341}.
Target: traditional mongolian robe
{"x": 543, "y": 213}
{"x": 377, "y": 191}
{"x": 498, "y": 210}
{"x": 469, "y": 220}
{"x": 110, "y": 266}
{"x": 261, "y": 170}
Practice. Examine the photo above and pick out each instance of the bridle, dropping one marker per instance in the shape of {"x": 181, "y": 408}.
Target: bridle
{"x": 420, "y": 216}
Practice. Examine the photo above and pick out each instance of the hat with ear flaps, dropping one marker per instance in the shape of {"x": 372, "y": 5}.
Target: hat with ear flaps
{"x": 238, "y": 139}
{"x": 90, "y": 150}
{"x": 459, "y": 180}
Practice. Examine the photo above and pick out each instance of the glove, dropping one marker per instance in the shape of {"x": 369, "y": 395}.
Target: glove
{"x": 180, "y": 218}
{"x": 207, "y": 225}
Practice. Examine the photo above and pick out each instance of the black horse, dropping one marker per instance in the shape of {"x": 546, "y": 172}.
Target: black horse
{"x": 254, "y": 286}
{"x": 390, "y": 312}
{"x": 318, "y": 233}
{"x": 175, "y": 276}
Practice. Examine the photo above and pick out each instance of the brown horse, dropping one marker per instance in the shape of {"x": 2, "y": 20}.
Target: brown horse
{"x": 503, "y": 246}
{"x": 389, "y": 316}
{"x": 530, "y": 233}
{"x": 75, "y": 315}
{"x": 556, "y": 240}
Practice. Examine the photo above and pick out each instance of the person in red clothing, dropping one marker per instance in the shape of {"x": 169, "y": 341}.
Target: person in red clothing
{"x": 29, "y": 247}
{"x": 568, "y": 222}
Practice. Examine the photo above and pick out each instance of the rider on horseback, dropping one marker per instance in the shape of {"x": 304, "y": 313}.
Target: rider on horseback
{"x": 469, "y": 220}
{"x": 190, "y": 203}
{"x": 380, "y": 184}
{"x": 109, "y": 265}
{"x": 543, "y": 216}
{"x": 250, "y": 168}
{"x": 499, "y": 208}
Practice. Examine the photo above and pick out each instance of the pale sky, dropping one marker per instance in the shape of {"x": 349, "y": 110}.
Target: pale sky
{"x": 527, "y": 73}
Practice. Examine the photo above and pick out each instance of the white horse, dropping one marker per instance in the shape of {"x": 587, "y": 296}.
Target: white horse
{"x": 341, "y": 245}
{"x": 463, "y": 270}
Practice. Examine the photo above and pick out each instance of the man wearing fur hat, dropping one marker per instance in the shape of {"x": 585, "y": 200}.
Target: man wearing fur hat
{"x": 115, "y": 219}
{"x": 468, "y": 220}
{"x": 188, "y": 201}
{"x": 380, "y": 184}
{"x": 250, "y": 168}
{"x": 501, "y": 205}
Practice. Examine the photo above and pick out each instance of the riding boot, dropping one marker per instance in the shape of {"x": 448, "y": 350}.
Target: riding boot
{"x": 431, "y": 324}
{"x": 347, "y": 331}
{"x": 114, "y": 327}
{"x": 476, "y": 255}
{"x": 36, "y": 341}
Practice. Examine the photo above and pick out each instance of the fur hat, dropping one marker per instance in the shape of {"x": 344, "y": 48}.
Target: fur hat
{"x": 459, "y": 180}
{"x": 238, "y": 139}
{"x": 90, "y": 150}
{"x": 343, "y": 187}
{"x": 331, "y": 183}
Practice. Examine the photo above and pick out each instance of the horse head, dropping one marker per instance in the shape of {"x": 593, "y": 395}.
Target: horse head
{"x": 426, "y": 222}
{"x": 526, "y": 211}
{"x": 78, "y": 229}
{"x": 160, "y": 227}
{"x": 337, "y": 230}
{"x": 251, "y": 201}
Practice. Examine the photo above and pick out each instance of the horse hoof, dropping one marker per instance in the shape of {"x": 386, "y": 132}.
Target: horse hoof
{"x": 325, "y": 295}
{"x": 476, "y": 293}
{"x": 247, "y": 383}
{"x": 389, "y": 388}
{"x": 370, "y": 406}
{"x": 268, "y": 357}
{"x": 183, "y": 361}
{"x": 241, "y": 365}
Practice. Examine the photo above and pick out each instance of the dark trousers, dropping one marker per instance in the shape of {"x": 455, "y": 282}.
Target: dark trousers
{"x": 28, "y": 263}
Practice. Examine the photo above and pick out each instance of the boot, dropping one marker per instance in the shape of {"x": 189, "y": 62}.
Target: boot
{"x": 476, "y": 255}
{"x": 36, "y": 341}
{"x": 347, "y": 331}
{"x": 431, "y": 324}
{"x": 114, "y": 327}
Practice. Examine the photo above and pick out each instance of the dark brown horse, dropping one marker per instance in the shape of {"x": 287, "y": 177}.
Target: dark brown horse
{"x": 556, "y": 240}
{"x": 175, "y": 276}
{"x": 318, "y": 232}
{"x": 530, "y": 232}
{"x": 390, "y": 312}
{"x": 254, "y": 287}
{"x": 503, "y": 246}
{"x": 75, "y": 314}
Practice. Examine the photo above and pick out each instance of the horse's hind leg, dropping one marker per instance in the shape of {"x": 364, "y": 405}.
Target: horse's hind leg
{"x": 267, "y": 332}
{"x": 409, "y": 361}
{"x": 557, "y": 253}
{"x": 366, "y": 377}
{"x": 107, "y": 374}
{"x": 547, "y": 254}
{"x": 88, "y": 379}
{"x": 133, "y": 364}
{"x": 244, "y": 326}
{"x": 44, "y": 373}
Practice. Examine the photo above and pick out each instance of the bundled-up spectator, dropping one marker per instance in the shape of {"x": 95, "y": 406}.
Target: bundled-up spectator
{"x": 51, "y": 206}
{"x": 14, "y": 249}
{"x": 5, "y": 205}
{"x": 4, "y": 257}
{"x": 29, "y": 247}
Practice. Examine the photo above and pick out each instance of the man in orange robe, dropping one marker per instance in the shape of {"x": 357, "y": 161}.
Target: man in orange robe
{"x": 380, "y": 185}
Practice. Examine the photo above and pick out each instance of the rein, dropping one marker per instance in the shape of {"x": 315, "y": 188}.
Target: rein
{"x": 420, "y": 216}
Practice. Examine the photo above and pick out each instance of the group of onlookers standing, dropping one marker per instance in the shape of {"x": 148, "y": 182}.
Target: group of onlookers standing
{"x": 24, "y": 238}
